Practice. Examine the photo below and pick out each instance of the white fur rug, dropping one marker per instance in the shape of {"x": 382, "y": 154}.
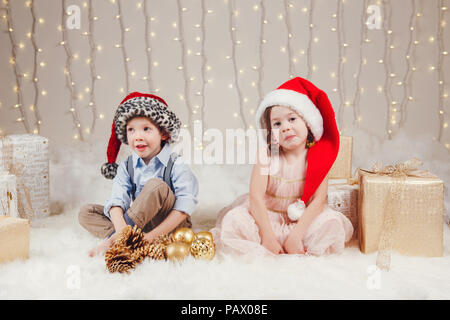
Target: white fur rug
{"x": 59, "y": 267}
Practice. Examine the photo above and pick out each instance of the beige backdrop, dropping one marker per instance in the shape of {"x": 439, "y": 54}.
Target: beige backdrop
{"x": 199, "y": 71}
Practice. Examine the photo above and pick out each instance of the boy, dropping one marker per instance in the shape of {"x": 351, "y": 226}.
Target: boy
{"x": 144, "y": 122}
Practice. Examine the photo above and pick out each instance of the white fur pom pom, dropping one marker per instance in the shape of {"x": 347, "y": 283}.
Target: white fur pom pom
{"x": 296, "y": 209}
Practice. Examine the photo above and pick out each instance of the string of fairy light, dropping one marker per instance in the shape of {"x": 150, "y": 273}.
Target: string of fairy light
{"x": 359, "y": 89}
{"x": 389, "y": 74}
{"x": 310, "y": 38}
{"x": 183, "y": 67}
{"x": 261, "y": 42}
{"x": 16, "y": 69}
{"x": 70, "y": 84}
{"x": 204, "y": 62}
{"x": 396, "y": 108}
{"x": 148, "y": 48}
{"x": 91, "y": 61}
{"x": 441, "y": 81}
{"x": 121, "y": 45}
{"x": 342, "y": 45}
{"x": 289, "y": 38}
{"x": 34, "y": 77}
{"x": 232, "y": 14}
{"x": 2, "y": 9}
{"x": 410, "y": 59}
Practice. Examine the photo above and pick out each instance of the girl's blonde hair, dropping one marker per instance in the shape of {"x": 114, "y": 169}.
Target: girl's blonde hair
{"x": 266, "y": 117}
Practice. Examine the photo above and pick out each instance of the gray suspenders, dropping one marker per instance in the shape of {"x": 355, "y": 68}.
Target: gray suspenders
{"x": 166, "y": 175}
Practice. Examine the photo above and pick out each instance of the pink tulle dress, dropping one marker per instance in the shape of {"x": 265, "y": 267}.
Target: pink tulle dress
{"x": 236, "y": 232}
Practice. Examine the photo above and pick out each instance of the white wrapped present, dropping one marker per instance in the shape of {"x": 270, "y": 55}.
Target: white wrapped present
{"x": 26, "y": 157}
{"x": 8, "y": 195}
{"x": 343, "y": 197}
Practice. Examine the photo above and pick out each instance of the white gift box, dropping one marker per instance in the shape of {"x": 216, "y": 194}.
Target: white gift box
{"x": 8, "y": 195}
{"x": 26, "y": 157}
{"x": 343, "y": 197}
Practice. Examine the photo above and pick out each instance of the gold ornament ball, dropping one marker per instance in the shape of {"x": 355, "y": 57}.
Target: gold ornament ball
{"x": 202, "y": 248}
{"x": 204, "y": 235}
{"x": 177, "y": 251}
{"x": 185, "y": 235}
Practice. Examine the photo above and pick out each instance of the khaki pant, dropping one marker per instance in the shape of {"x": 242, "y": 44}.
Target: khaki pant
{"x": 147, "y": 211}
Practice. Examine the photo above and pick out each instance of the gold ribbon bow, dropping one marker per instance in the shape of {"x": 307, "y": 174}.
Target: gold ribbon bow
{"x": 409, "y": 168}
{"x": 398, "y": 173}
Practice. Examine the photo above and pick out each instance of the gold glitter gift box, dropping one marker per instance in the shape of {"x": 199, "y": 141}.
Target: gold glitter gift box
{"x": 401, "y": 212}
{"x": 14, "y": 239}
{"x": 342, "y": 167}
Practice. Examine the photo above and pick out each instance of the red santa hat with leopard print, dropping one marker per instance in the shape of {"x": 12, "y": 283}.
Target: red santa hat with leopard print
{"x": 138, "y": 104}
{"x": 312, "y": 104}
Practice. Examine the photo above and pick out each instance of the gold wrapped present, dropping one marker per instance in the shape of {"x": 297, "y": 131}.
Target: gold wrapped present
{"x": 342, "y": 167}
{"x": 26, "y": 157}
{"x": 14, "y": 238}
{"x": 400, "y": 208}
{"x": 8, "y": 195}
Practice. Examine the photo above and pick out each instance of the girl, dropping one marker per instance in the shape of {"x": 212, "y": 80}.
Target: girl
{"x": 286, "y": 210}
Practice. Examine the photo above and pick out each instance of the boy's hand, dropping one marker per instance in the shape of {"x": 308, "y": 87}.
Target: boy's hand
{"x": 150, "y": 236}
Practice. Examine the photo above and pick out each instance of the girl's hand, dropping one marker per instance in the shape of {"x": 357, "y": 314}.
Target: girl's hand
{"x": 272, "y": 244}
{"x": 294, "y": 243}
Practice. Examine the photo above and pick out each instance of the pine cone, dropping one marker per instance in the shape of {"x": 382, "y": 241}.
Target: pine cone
{"x": 134, "y": 238}
{"x": 130, "y": 249}
{"x": 125, "y": 253}
{"x": 156, "y": 249}
{"x": 119, "y": 259}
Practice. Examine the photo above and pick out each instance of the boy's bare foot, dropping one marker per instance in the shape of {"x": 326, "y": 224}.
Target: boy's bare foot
{"x": 100, "y": 249}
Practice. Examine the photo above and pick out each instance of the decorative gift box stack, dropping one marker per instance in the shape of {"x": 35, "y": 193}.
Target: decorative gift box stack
{"x": 24, "y": 191}
{"x": 394, "y": 208}
{"x": 342, "y": 189}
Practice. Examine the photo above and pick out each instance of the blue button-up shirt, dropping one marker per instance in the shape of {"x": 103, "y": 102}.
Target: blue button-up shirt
{"x": 184, "y": 182}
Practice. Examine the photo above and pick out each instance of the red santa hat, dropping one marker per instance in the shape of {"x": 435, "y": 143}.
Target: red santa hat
{"x": 138, "y": 104}
{"x": 313, "y": 106}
